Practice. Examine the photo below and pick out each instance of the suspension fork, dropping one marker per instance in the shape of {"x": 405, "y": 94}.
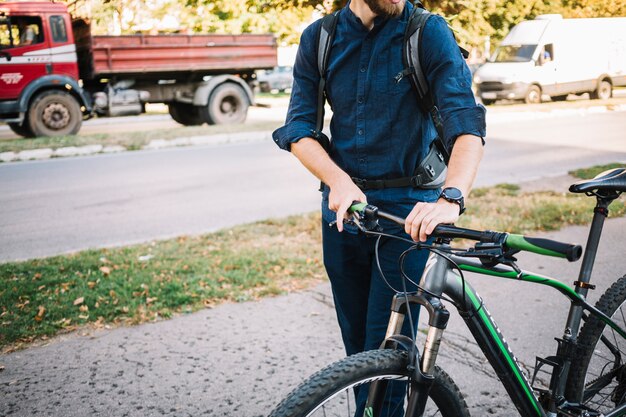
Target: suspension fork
{"x": 422, "y": 370}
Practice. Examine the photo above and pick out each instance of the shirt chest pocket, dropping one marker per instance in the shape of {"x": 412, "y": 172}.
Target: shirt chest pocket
{"x": 388, "y": 64}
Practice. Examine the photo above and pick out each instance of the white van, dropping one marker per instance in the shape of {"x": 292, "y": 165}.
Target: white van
{"x": 556, "y": 57}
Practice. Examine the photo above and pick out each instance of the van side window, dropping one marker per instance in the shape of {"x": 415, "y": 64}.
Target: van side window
{"x": 57, "y": 27}
{"x": 547, "y": 54}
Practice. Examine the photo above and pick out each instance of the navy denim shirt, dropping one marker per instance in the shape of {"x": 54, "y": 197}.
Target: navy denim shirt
{"x": 377, "y": 128}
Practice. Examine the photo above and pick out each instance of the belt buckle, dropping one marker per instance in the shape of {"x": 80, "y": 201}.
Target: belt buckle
{"x": 359, "y": 182}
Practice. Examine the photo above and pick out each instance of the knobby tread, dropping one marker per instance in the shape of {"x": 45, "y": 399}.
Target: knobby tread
{"x": 340, "y": 374}
{"x": 590, "y": 333}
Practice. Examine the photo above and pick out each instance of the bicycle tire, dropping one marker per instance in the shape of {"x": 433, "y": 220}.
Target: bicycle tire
{"x": 593, "y": 376}
{"x": 362, "y": 368}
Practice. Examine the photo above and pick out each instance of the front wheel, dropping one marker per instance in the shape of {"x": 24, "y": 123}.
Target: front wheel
{"x": 331, "y": 390}
{"x": 54, "y": 113}
{"x": 598, "y": 375}
{"x": 533, "y": 95}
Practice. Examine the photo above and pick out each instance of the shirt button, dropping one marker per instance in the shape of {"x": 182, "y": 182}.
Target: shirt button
{"x": 360, "y": 100}
{"x": 362, "y": 161}
{"x": 362, "y": 69}
{"x": 360, "y": 131}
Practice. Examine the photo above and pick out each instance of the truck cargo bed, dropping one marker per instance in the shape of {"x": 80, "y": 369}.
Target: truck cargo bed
{"x": 173, "y": 56}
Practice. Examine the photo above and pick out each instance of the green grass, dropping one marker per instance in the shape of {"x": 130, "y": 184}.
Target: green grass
{"x": 588, "y": 173}
{"x": 132, "y": 140}
{"x": 140, "y": 283}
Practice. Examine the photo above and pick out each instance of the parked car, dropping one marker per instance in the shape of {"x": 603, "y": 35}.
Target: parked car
{"x": 555, "y": 57}
{"x": 278, "y": 78}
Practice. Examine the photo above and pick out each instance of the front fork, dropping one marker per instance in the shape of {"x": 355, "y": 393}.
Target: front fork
{"x": 422, "y": 369}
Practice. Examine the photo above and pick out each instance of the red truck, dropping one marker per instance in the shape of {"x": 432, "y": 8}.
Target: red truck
{"x": 54, "y": 73}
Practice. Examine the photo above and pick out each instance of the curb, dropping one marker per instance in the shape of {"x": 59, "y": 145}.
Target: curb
{"x": 260, "y": 136}
{"x": 219, "y": 139}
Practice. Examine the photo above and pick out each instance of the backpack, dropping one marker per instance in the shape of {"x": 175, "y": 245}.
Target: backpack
{"x": 431, "y": 172}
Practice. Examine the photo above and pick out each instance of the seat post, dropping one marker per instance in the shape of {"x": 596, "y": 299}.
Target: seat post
{"x": 601, "y": 211}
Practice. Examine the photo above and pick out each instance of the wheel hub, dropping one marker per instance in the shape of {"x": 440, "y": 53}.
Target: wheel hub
{"x": 56, "y": 116}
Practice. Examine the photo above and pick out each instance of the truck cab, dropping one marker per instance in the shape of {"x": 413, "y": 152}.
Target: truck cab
{"x": 39, "y": 70}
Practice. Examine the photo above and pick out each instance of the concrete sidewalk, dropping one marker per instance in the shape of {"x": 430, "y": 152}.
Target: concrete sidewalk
{"x": 241, "y": 359}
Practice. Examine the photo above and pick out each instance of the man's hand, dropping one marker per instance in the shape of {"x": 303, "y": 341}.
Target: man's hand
{"x": 343, "y": 193}
{"x": 424, "y": 217}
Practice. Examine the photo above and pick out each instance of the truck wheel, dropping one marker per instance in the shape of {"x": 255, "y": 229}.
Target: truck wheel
{"x": 228, "y": 104}
{"x": 488, "y": 101}
{"x": 533, "y": 95}
{"x": 54, "y": 113}
{"x": 603, "y": 92}
{"x": 21, "y": 129}
{"x": 185, "y": 114}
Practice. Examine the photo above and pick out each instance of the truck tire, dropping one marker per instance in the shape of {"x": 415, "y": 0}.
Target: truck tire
{"x": 228, "y": 104}
{"x": 21, "y": 129}
{"x": 533, "y": 95}
{"x": 488, "y": 101}
{"x": 185, "y": 114}
{"x": 54, "y": 113}
{"x": 604, "y": 91}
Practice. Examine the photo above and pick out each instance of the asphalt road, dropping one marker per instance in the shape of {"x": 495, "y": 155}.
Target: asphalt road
{"x": 63, "y": 205}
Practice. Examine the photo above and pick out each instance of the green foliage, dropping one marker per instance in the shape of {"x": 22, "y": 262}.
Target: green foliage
{"x": 472, "y": 20}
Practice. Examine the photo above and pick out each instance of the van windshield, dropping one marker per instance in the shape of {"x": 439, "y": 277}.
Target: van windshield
{"x": 514, "y": 53}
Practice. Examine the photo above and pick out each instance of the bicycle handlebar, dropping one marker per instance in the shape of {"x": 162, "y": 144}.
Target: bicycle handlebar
{"x": 512, "y": 241}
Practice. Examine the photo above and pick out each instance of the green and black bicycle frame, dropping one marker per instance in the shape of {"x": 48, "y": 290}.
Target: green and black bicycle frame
{"x": 442, "y": 277}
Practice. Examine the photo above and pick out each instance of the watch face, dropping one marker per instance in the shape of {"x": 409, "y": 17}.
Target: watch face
{"x": 452, "y": 193}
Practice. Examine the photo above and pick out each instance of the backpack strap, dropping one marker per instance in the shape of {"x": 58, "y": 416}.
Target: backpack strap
{"x": 325, "y": 38}
{"x": 412, "y": 67}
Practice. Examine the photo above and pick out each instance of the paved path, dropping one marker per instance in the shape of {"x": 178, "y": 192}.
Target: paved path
{"x": 241, "y": 359}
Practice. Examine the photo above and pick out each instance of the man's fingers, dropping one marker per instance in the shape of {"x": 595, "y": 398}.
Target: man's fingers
{"x": 416, "y": 225}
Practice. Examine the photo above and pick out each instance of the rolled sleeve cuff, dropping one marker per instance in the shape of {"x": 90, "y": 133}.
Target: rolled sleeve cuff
{"x": 291, "y": 133}
{"x": 465, "y": 121}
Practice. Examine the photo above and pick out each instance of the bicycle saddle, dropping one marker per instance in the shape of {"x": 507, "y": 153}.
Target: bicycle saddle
{"x": 613, "y": 180}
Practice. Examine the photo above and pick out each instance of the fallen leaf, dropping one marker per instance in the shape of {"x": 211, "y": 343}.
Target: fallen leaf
{"x": 84, "y": 316}
{"x": 150, "y": 300}
{"x": 40, "y": 313}
{"x": 84, "y": 308}
{"x": 37, "y": 276}
{"x": 79, "y": 300}
{"x": 91, "y": 284}
{"x": 125, "y": 309}
{"x": 97, "y": 304}
{"x": 105, "y": 270}
{"x": 41, "y": 287}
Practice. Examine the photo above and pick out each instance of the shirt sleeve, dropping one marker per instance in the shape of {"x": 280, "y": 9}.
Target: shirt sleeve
{"x": 450, "y": 82}
{"x": 302, "y": 113}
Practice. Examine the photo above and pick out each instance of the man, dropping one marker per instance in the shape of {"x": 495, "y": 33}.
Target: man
{"x": 27, "y": 34}
{"x": 379, "y": 132}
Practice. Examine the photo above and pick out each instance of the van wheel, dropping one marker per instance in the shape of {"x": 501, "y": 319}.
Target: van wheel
{"x": 488, "y": 101}
{"x": 603, "y": 92}
{"x": 54, "y": 113}
{"x": 559, "y": 98}
{"x": 533, "y": 95}
{"x": 228, "y": 104}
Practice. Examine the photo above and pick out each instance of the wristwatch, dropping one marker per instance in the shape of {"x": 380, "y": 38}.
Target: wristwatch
{"x": 454, "y": 195}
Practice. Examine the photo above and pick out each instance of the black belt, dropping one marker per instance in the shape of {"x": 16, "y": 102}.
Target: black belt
{"x": 415, "y": 181}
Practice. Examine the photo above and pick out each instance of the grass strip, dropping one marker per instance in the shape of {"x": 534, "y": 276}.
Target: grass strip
{"x": 140, "y": 283}
{"x": 588, "y": 173}
{"x": 133, "y": 140}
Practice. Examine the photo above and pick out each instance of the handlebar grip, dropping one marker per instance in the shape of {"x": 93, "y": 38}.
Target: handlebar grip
{"x": 545, "y": 247}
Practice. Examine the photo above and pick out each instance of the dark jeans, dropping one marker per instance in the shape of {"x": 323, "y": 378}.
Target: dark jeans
{"x": 362, "y": 298}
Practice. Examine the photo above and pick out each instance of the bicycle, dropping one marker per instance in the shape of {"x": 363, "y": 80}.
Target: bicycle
{"x": 588, "y": 374}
